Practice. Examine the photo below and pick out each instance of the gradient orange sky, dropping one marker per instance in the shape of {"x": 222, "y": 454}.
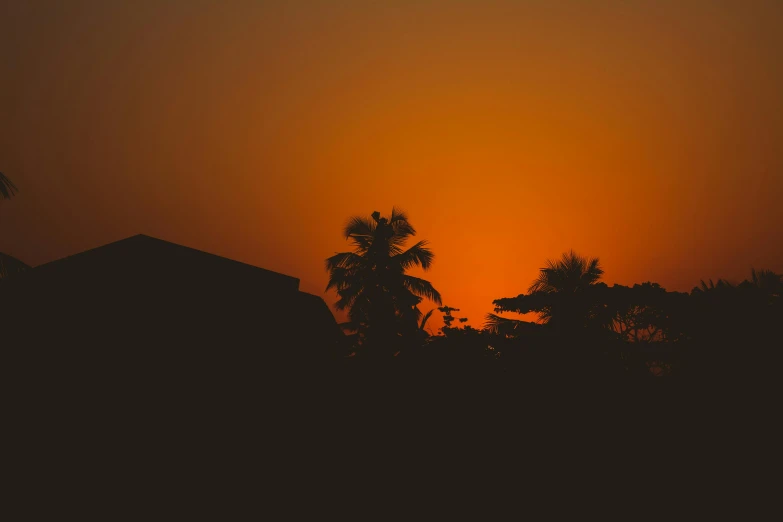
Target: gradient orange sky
{"x": 645, "y": 133}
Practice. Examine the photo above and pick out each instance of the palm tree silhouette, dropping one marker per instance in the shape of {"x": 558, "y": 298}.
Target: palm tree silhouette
{"x": 7, "y": 187}
{"x": 564, "y": 295}
{"x": 568, "y": 282}
{"x": 569, "y": 274}
{"x": 372, "y": 285}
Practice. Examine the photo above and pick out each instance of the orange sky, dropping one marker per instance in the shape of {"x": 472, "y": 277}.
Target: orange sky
{"x": 646, "y": 133}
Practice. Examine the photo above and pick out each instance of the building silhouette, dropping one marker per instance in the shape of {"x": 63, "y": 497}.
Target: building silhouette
{"x": 161, "y": 312}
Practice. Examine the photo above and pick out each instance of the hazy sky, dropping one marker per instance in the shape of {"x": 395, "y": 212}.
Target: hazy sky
{"x": 648, "y": 134}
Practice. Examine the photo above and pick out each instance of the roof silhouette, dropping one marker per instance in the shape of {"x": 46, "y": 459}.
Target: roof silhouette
{"x": 10, "y": 265}
{"x": 145, "y": 294}
{"x": 146, "y": 252}
{"x": 146, "y": 340}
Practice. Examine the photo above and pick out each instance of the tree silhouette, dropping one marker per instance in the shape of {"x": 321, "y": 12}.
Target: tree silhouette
{"x": 503, "y": 326}
{"x": 372, "y": 284}
{"x": 644, "y": 313}
{"x": 570, "y": 274}
{"x": 447, "y": 317}
{"x": 735, "y": 328}
{"x": 563, "y": 294}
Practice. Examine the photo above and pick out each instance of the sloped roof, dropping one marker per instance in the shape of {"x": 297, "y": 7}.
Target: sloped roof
{"x": 157, "y": 296}
{"x": 149, "y": 254}
{"x": 10, "y": 265}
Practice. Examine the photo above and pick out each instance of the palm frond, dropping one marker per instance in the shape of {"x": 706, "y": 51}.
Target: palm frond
{"x": 401, "y": 226}
{"x": 500, "y": 325}
{"x": 594, "y": 270}
{"x": 359, "y": 226}
{"x": 349, "y": 297}
{"x": 344, "y": 260}
{"x": 336, "y": 275}
{"x": 723, "y": 283}
{"x": 339, "y": 277}
{"x": 421, "y": 288}
{"x": 541, "y": 283}
{"x": 570, "y": 273}
{"x": 360, "y": 231}
{"x": 425, "y": 319}
{"x": 7, "y": 187}
{"x": 417, "y": 255}
{"x": 399, "y": 216}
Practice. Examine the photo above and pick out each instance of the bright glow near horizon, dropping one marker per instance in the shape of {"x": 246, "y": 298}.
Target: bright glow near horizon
{"x": 645, "y": 133}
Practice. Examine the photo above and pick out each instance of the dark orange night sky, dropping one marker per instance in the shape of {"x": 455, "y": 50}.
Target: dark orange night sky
{"x": 646, "y": 133}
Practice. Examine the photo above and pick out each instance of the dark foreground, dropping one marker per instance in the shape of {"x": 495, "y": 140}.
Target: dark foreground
{"x": 206, "y": 435}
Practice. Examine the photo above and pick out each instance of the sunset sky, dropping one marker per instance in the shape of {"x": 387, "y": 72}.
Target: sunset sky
{"x": 649, "y": 134}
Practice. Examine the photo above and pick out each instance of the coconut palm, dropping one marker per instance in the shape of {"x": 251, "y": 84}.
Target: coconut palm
{"x": 569, "y": 274}
{"x": 563, "y": 294}
{"x": 372, "y": 283}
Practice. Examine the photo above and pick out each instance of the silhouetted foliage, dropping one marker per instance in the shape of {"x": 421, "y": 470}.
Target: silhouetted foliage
{"x": 447, "y": 316}
{"x": 7, "y": 187}
{"x": 372, "y": 283}
{"x": 563, "y": 289}
{"x": 460, "y": 344}
{"x": 735, "y": 328}
{"x": 645, "y": 330}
